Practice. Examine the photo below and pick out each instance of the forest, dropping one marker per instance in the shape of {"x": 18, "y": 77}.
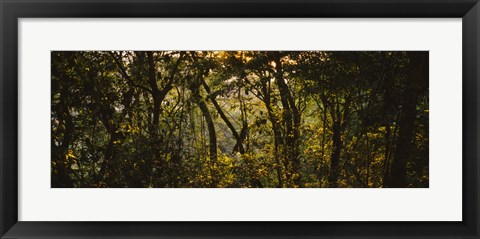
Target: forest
{"x": 239, "y": 119}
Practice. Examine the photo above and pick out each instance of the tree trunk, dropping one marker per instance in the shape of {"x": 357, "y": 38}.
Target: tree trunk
{"x": 210, "y": 126}
{"x": 335, "y": 158}
{"x": 276, "y": 133}
{"x": 417, "y": 82}
{"x": 239, "y": 144}
{"x": 155, "y": 94}
{"x": 291, "y": 121}
{"x": 388, "y": 109}
{"x": 61, "y": 179}
{"x": 212, "y": 136}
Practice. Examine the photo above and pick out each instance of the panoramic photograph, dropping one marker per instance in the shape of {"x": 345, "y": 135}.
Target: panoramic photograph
{"x": 239, "y": 119}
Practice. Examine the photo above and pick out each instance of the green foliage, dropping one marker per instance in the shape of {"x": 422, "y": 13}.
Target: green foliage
{"x": 239, "y": 119}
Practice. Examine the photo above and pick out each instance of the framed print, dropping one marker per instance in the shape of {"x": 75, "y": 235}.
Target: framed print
{"x": 262, "y": 119}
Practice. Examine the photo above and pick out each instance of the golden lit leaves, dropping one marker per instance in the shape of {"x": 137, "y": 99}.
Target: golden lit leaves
{"x": 70, "y": 159}
{"x": 240, "y": 55}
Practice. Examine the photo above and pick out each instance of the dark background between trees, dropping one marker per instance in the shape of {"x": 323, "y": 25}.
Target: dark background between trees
{"x": 239, "y": 119}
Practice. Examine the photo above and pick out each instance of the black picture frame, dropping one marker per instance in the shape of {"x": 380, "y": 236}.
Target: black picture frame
{"x": 11, "y": 11}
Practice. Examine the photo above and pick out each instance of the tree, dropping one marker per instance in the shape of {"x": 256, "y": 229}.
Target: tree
{"x": 239, "y": 119}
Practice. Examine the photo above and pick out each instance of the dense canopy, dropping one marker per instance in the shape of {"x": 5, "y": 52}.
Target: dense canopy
{"x": 189, "y": 119}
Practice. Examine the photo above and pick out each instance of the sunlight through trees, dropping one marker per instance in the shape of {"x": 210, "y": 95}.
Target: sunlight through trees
{"x": 239, "y": 119}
